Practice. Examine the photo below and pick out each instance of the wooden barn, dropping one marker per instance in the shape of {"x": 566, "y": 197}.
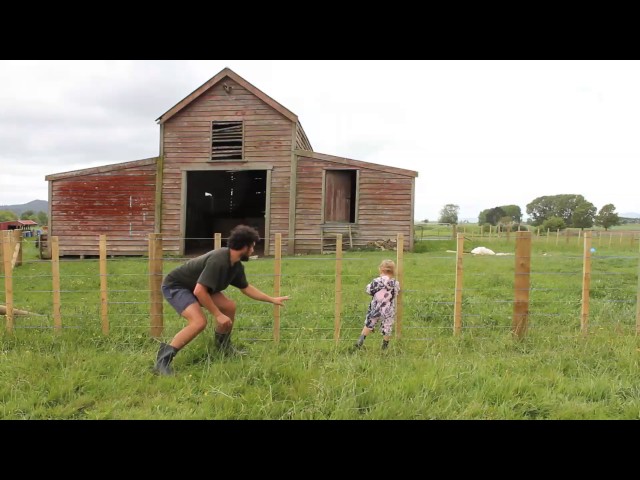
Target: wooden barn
{"x": 230, "y": 154}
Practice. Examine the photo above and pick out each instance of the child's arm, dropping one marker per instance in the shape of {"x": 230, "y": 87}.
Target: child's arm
{"x": 374, "y": 286}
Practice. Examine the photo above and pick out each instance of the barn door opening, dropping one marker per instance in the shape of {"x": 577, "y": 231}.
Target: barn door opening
{"x": 218, "y": 200}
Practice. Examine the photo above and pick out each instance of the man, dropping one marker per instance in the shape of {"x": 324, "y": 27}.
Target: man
{"x": 199, "y": 283}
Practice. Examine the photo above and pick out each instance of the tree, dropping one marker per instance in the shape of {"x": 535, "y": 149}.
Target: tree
{"x": 505, "y": 221}
{"x": 494, "y": 215}
{"x": 449, "y": 214}
{"x": 541, "y": 209}
{"x": 567, "y": 205}
{"x": 28, "y": 215}
{"x": 43, "y": 218}
{"x": 512, "y": 211}
{"x": 562, "y": 206}
{"x": 607, "y": 216}
{"x": 482, "y": 217}
{"x": 583, "y": 215}
{"x": 7, "y": 216}
{"x": 553, "y": 224}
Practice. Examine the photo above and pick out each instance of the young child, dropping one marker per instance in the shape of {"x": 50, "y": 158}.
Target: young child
{"x": 384, "y": 290}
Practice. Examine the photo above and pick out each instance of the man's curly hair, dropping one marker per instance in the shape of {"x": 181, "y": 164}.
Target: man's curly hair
{"x": 242, "y": 236}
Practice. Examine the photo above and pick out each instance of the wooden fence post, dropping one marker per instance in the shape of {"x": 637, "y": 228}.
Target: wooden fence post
{"x": 104, "y": 305}
{"x": 55, "y": 276}
{"x": 522, "y": 285}
{"x": 586, "y": 280}
{"x": 1, "y": 252}
{"x": 277, "y": 274}
{"x": 338, "y": 293}
{"x": 17, "y": 240}
{"x": 155, "y": 284}
{"x": 400, "y": 277}
{"x": 5, "y": 245}
{"x": 457, "y": 304}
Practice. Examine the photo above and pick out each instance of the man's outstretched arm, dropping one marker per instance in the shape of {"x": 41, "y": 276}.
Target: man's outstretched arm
{"x": 253, "y": 292}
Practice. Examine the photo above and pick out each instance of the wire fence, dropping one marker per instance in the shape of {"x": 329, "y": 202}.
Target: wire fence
{"x": 523, "y": 291}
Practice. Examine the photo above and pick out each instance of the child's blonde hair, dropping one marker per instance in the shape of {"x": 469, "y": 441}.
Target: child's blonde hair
{"x": 388, "y": 266}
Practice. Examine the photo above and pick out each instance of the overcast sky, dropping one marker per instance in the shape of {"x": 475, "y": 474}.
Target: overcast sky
{"x": 480, "y": 133}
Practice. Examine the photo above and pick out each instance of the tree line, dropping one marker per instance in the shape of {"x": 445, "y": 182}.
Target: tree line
{"x": 552, "y": 212}
{"x": 41, "y": 218}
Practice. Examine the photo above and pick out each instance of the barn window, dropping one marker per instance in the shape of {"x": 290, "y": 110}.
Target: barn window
{"x": 226, "y": 140}
{"x": 340, "y": 196}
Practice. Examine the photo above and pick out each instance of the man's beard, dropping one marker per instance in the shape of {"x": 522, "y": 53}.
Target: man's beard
{"x": 244, "y": 257}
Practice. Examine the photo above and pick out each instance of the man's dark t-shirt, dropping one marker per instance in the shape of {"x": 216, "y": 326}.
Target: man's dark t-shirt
{"x": 213, "y": 270}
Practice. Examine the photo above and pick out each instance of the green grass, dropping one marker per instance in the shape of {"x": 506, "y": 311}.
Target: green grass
{"x": 554, "y": 373}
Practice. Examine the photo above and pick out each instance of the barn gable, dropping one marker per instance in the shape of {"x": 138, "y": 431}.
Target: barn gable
{"x": 228, "y": 89}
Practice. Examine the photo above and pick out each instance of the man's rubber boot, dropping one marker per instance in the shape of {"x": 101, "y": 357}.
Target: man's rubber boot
{"x": 223, "y": 343}
{"x": 164, "y": 359}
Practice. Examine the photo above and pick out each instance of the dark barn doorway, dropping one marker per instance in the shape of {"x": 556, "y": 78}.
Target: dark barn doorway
{"x": 217, "y": 201}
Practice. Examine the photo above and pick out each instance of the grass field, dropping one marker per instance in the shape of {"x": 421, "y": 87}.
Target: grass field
{"x": 554, "y": 373}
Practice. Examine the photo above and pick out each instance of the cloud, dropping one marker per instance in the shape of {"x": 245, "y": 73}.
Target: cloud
{"x": 480, "y": 133}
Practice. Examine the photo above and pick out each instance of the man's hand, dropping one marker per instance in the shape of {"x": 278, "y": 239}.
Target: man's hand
{"x": 279, "y": 300}
{"x": 223, "y": 321}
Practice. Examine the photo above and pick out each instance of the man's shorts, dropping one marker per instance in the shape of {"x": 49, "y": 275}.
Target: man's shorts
{"x": 179, "y": 298}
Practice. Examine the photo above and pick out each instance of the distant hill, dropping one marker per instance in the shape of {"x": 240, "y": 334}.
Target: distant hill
{"x": 35, "y": 205}
{"x": 629, "y": 215}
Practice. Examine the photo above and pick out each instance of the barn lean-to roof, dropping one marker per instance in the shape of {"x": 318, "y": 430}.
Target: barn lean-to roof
{"x": 102, "y": 169}
{"x": 356, "y": 163}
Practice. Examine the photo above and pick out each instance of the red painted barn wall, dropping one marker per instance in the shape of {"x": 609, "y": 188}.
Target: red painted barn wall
{"x": 118, "y": 203}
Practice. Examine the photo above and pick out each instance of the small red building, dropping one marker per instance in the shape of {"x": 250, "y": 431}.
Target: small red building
{"x": 18, "y": 225}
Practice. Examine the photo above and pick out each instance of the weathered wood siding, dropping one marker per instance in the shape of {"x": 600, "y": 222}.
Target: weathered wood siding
{"x": 384, "y": 205}
{"x": 187, "y": 146}
{"x": 119, "y": 203}
{"x": 302, "y": 142}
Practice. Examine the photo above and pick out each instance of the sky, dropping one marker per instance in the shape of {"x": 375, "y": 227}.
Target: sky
{"x": 479, "y": 133}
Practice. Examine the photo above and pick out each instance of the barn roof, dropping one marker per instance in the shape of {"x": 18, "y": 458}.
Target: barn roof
{"x": 102, "y": 169}
{"x": 226, "y": 72}
{"x": 356, "y": 163}
{"x": 25, "y": 223}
